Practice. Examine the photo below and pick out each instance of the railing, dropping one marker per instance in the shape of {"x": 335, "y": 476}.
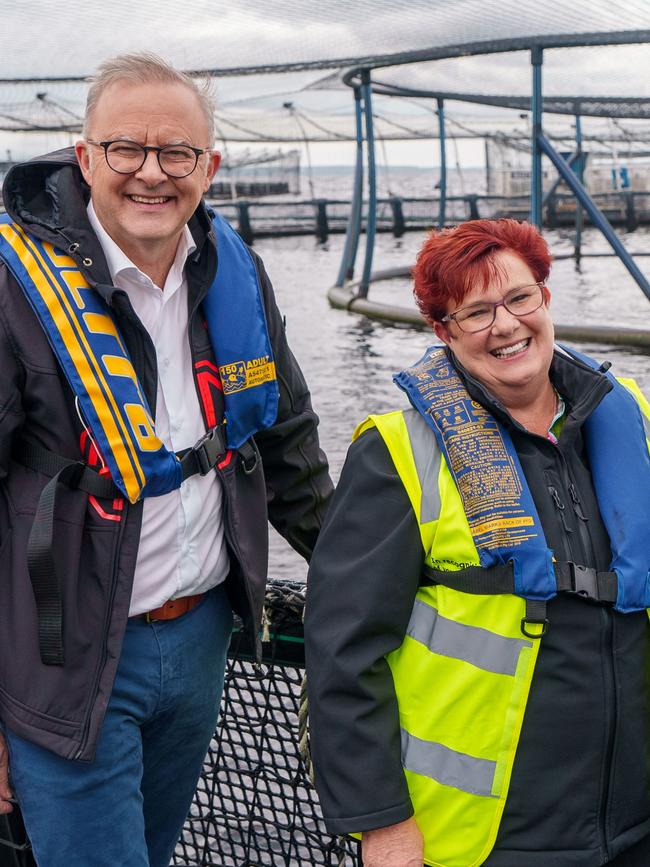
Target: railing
{"x": 400, "y": 214}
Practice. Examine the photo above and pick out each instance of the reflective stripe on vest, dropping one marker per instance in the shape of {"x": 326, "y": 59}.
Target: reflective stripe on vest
{"x": 477, "y": 646}
{"x": 467, "y": 773}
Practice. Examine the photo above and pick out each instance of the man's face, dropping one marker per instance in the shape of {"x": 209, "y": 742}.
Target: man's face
{"x": 146, "y": 210}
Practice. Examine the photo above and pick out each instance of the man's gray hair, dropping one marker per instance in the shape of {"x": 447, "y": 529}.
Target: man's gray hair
{"x": 145, "y": 67}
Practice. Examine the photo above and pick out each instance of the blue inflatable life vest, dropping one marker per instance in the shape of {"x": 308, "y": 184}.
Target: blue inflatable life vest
{"x": 498, "y": 504}
{"x": 86, "y": 341}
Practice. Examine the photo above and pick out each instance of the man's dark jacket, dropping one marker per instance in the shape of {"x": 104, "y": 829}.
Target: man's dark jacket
{"x": 62, "y": 707}
{"x": 580, "y": 789}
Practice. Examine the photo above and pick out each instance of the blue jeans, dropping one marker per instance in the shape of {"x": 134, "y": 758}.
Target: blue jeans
{"x": 128, "y": 806}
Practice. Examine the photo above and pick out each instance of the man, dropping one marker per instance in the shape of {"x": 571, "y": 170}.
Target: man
{"x": 126, "y": 545}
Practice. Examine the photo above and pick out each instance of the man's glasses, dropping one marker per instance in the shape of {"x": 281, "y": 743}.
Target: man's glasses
{"x": 478, "y": 317}
{"x": 126, "y": 157}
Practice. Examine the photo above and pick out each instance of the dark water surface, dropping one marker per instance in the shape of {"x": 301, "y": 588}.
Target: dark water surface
{"x": 349, "y": 361}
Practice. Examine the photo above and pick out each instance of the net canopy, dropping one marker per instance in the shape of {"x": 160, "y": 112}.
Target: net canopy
{"x": 280, "y": 69}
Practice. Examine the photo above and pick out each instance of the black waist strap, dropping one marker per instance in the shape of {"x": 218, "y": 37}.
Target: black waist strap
{"x": 46, "y": 584}
{"x": 84, "y": 477}
{"x": 570, "y": 577}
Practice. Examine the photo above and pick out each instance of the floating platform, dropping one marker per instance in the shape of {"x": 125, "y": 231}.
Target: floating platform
{"x": 347, "y": 298}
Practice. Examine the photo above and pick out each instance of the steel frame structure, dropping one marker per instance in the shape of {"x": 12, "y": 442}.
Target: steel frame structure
{"x": 570, "y": 171}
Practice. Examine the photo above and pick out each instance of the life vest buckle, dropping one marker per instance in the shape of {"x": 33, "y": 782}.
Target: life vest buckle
{"x": 209, "y": 450}
{"x": 584, "y": 581}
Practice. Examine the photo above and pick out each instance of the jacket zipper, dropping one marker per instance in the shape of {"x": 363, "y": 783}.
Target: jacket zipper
{"x": 609, "y": 680}
{"x": 583, "y": 520}
{"x": 560, "y": 508}
{"x": 109, "y": 608}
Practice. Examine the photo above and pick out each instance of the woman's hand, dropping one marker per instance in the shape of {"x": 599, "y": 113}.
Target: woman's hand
{"x": 398, "y": 845}
{"x": 5, "y": 791}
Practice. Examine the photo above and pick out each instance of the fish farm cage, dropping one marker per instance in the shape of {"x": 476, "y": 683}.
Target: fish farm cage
{"x": 258, "y": 175}
{"x": 545, "y": 88}
{"x": 255, "y": 805}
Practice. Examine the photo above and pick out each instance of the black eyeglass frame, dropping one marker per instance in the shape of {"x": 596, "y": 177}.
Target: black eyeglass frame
{"x": 146, "y": 149}
{"x": 453, "y": 316}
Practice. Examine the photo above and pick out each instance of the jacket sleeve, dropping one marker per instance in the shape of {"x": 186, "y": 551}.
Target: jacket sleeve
{"x": 296, "y": 471}
{"x": 11, "y": 377}
{"x": 361, "y": 586}
{"x": 11, "y": 408}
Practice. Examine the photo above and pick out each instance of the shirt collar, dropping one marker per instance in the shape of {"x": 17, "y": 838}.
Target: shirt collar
{"x": 117, "y": 260}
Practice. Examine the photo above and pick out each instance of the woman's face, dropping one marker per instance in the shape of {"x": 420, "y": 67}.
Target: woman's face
{"x": 513, "y": 356}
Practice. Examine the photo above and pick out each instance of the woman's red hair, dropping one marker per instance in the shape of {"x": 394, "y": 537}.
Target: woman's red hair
{"x": 452, "y": 262}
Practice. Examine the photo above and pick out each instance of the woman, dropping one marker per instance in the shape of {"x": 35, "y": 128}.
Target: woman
{"x": 476, "y": 626}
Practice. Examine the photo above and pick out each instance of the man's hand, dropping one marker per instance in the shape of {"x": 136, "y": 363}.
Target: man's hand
{"x": 5, "y": 791}
{"x": 398, "y": 845}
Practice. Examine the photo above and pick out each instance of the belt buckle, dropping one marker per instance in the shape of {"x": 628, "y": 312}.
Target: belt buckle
{"x": 585, "y": 581}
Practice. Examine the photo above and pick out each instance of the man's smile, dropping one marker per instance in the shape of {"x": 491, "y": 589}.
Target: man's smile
{"x": 148, "y": 200}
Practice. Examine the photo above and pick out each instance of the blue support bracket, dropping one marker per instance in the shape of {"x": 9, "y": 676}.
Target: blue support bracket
{"x": 577, "y": 248}
{"x": 353, "y": 231}
{"x": 595, "y": 214}
{"x": 371, "y": 222}
{"x": 536, "y": 59}
{"x": 443, "y": 164}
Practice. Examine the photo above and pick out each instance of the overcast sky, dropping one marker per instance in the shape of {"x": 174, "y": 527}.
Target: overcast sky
{"x": 210, "y": 34}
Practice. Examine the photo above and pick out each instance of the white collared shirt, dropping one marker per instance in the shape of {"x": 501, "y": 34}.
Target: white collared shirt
{"x": 182, "y": 547}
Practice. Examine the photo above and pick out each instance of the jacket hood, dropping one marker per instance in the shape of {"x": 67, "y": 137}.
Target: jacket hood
{"x": 48, "y": 196}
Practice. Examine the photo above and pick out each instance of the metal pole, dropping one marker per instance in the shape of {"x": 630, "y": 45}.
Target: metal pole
{"x": 581, "y": 177}
{"x": 595, "y": 214}
{"x": 346, "y": 270}
{"x": 536, "y": 59}
{"x": 371, "y": 222}
{"x": 443, "y": 164}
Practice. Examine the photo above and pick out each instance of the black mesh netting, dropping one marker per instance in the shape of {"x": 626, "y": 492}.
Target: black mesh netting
{"x": 254, "y": 803}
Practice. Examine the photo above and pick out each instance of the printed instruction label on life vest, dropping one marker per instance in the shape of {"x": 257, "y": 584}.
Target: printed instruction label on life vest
{"x": 246, "y": 374}
{"x": 483, "y": 466}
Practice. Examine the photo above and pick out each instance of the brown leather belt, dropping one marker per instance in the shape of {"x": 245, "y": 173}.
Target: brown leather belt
{"x": 172, "y": 609}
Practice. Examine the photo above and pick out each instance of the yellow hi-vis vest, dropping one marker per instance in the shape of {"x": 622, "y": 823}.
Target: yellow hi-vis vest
{"x": 465, "y": 650}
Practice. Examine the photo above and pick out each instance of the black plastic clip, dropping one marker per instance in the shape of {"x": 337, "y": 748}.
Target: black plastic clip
{"x": 535, "y": 617}
{"x": 584, "y": 581}
{"x": 539, "y": 633}
{"x": 249, "y": 456}
{"x": 209, "y": 450}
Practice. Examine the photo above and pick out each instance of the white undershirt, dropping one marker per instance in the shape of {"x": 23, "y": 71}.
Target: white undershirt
{"x": 182, "y": 548}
